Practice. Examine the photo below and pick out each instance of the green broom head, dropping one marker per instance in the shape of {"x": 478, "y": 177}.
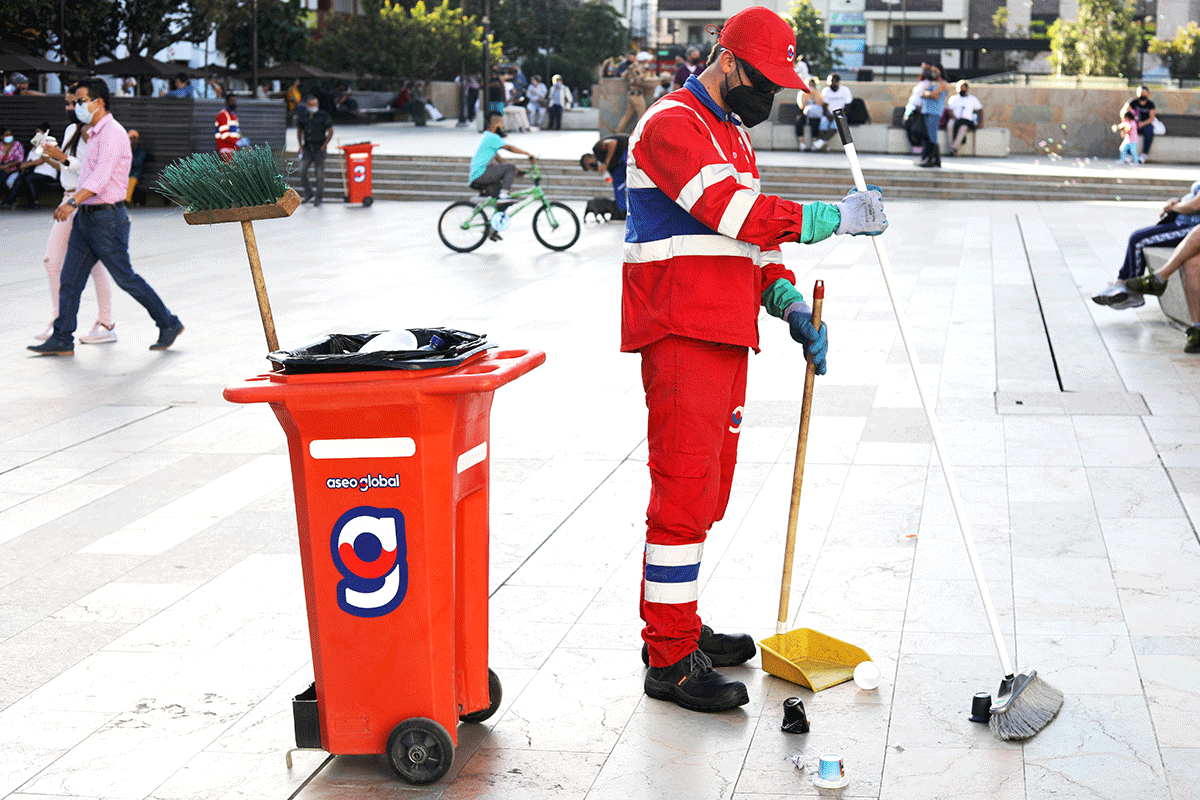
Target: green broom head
{"x": 1026, "y": 705}
{"x": 206, "y": 182}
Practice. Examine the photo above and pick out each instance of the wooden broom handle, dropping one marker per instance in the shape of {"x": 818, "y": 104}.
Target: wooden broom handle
{"x": 260, "y": 286}
{"x": 810, "y": 374}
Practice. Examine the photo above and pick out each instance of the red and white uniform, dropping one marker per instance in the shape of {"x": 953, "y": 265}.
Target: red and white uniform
{"x": 701, "y": 246}
{"x": 227, "y": 133}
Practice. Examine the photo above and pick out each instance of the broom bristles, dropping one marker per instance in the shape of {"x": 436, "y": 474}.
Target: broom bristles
{"x": 1032, "y": 706}
{"x": 207, "y": 182}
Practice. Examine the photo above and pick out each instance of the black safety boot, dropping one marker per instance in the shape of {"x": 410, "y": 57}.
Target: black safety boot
{"x": 722, "y": 649}
{"x": 693, "y": 684}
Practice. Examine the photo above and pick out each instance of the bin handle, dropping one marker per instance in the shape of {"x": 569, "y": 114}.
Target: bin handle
{"x": 508, "y": 365}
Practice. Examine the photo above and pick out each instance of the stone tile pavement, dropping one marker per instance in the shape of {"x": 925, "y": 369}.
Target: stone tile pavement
{"x": 152, "y": 630}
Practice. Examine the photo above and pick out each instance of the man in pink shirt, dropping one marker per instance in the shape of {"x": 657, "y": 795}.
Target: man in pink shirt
{"x": 100, "y": 231}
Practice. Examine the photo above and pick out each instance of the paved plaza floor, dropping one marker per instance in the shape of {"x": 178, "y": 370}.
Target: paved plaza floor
{"x": 152, "y": 623}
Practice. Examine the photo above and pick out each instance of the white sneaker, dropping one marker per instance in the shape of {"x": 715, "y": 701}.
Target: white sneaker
{"x": 46, "y": 334}
{"x": 803, "y": 147}
{"x": 100, "y": 334}
{"x": 819, "y": 144}
{"x": 503, "y": 195}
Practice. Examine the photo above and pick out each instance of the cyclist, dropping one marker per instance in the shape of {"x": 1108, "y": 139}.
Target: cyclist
{"x": 490, "y": 174}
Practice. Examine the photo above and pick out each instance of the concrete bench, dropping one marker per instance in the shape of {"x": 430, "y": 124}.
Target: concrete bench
{"x": 1181, "y": 143}
{"x": 1172, "y": 302}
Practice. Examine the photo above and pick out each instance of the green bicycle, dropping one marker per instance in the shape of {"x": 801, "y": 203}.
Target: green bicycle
{"x": 466, "y": 224}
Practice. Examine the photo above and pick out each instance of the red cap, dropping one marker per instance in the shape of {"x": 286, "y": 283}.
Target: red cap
{"x": 762, "y": 39}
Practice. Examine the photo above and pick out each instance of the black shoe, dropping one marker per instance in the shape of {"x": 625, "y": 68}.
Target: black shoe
{"x": 495, "y": 237}
{"x": 54, "y": 347}
{"x": 1193, "y": 339}
{"x": 723, "y": 649}
{"x": 504, "y": 205}
{"x": 167, "y": 336}
{"x": 693, "y": 684}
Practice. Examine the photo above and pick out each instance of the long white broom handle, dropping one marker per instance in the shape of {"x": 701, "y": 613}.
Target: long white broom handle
{"x": 934, "y": 428}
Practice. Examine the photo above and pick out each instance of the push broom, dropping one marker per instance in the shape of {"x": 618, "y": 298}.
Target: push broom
{"x": 1025, "y": 703}
{"x": 246, "y": 188}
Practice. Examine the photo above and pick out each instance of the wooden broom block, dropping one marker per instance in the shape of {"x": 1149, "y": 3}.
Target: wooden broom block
{"x": 283, "y": 207}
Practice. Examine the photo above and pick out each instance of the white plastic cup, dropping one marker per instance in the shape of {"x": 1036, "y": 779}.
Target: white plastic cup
{"x": 867, "y": 675}
{"x": 390, "y": 340}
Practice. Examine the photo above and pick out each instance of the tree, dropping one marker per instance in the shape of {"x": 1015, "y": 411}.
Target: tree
{"x": 395, "y": 42}
{"x": 94, "y": 29}
{"x": 1182, "y": 53}
{"x": 583, "y": 33}
{"x": 812, "y": 42}
{"x": 1104, "y": 40}
{"x": 282, "y": 34}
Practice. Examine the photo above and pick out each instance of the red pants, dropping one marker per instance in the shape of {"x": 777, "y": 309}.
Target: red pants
{"x": 694, "y": 395}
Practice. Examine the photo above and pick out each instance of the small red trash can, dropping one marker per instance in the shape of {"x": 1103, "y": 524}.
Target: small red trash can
{"x": 358, "y": 172}
{"x": 390, "y": 471}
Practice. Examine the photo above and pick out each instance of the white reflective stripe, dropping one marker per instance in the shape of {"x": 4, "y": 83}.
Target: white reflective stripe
{"x": 398, "y": 447}
{"x": 692, "y": 245}
{"x": 636, "y": 178}
{"x": 472, "y": 457}
{"x": 709, "y": 175}
{"x": 770, "y": 257}
{"x": 736, "y": 212}
{"x": 674, "y": 555}
{"x": 672, "y": 592}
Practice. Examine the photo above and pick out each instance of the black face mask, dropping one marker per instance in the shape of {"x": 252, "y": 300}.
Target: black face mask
{"x": 751, "y": 105}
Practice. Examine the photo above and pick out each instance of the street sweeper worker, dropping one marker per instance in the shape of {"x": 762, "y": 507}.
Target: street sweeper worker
{"x": 701, "y": 257}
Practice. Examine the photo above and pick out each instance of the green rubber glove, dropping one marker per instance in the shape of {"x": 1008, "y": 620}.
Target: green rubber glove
{"x": 779, "y": 295}
{"x": 821, "y": 220}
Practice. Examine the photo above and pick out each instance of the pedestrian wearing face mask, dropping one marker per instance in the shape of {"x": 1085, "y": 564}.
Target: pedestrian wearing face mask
{"x": 701, "y": 258}
{"x": 227, "y": 131}
{"x": 934, "y": 97}
{"x": 314, "y": 129}
{"x": 101, "y": 227}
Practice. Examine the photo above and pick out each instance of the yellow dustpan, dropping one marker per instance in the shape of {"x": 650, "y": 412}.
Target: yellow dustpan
{"x": 804, "y": 656}
{"x": 811, "y": 658}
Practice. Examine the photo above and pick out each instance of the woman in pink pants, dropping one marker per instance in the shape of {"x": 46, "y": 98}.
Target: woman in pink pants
{"x": 68, "y": 161}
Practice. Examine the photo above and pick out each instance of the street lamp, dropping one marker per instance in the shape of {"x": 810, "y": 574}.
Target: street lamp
{"x": 887, "y": 38}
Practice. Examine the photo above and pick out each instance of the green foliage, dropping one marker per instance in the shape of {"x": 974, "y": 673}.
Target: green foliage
{"x": 282, "y": 34}
{"x": 93, "y": 30}
{"x": 812, "y": 42}
{"x": 395, "y": 42}
{"x": 1182, "y": 54}
{"x": 1103, "y": 40}
{"x": 206, "y": 182}
{"x": 582, "y": 33}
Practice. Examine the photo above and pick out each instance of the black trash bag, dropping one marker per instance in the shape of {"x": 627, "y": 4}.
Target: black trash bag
{"x": 338, "y": 352}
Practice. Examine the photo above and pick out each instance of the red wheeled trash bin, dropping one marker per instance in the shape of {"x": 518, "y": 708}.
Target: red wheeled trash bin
{"x": 390, "y": 471}
{"x": 358, "y": 172}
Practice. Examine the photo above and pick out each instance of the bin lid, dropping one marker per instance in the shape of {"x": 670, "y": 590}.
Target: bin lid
{"x": 438, "y": 348}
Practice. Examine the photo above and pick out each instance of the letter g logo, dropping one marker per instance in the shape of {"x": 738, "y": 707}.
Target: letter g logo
{"x": 368, "y": 548}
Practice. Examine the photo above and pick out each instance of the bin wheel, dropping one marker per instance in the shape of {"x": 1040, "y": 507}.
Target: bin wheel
{"x": 420, "y": 750}
{"x": 495, "y": 694}
{"x": 368, "y": 200}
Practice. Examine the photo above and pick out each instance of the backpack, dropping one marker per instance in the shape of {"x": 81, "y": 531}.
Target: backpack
{"x": 856, "y": 112}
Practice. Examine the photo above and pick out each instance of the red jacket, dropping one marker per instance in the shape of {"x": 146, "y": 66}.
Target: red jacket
{"x": 227, "y": 132}
{"x": 701, "y": 240}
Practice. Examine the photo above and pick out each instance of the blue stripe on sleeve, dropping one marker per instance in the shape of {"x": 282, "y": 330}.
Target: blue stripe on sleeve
{"x": 684, "y": 574}
{"x": 654, "y": 216}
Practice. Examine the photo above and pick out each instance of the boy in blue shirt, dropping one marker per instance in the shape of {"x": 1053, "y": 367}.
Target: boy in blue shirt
{"x": 488, "y": 171}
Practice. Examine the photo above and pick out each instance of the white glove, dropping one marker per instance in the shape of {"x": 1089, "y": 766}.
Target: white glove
{"x": 862, "y": 213}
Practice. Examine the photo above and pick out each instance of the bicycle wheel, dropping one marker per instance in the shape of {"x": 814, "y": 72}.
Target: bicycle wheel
{"x": 556, "y": 226}
{"x": 462, "y": 229}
